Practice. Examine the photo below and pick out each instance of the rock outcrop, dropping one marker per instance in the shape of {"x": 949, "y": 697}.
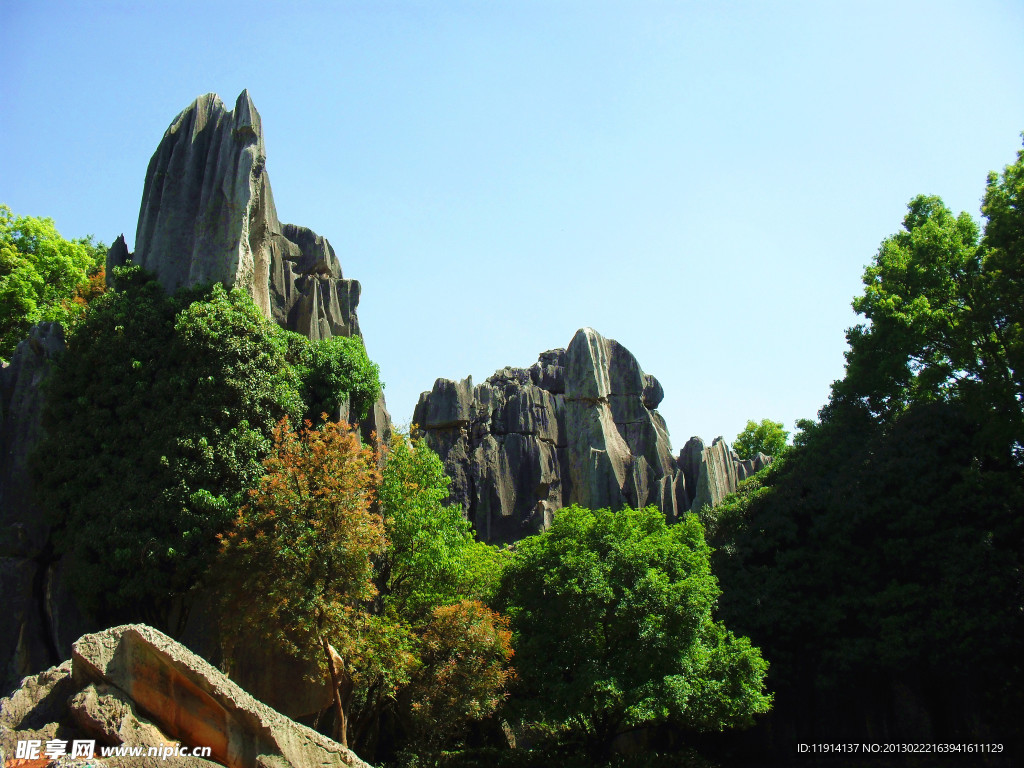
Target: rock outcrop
{"x": 579, "y": 426}
{"x": 208, "y": 215}
{"x": 39, "y": 614}
{"x": 134, "y": 686}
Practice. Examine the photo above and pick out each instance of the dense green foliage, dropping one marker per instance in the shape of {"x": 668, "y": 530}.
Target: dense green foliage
{"x": 157, "y": 418}
{"x": 41, "y": 274}
{"x": 612, "y": 615}
{"x": 768, "y": 438}
{"x": 880, "y": 564}
{"x": 382, "y": 601}
{"x": 334, "y": 371}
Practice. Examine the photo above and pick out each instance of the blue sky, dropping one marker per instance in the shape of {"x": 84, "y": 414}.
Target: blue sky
{"x": 703, "y": 182}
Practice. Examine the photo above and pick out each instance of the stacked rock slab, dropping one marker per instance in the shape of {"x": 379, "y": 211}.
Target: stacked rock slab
{"x": 579, "y": 426}
{"x": 133, "y": 686}
{"x": 208, "y": 215}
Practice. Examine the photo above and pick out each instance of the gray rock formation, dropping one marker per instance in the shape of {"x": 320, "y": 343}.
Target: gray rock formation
{"x": 41, "y": 619}
{"x": 208, "y": 215}
{"x": 579, "y": 426}
{"x": 134, "y": 686}
{"x": 719, "y": 472}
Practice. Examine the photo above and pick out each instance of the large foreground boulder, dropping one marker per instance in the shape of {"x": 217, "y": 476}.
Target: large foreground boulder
{"x": 133, "y": 686}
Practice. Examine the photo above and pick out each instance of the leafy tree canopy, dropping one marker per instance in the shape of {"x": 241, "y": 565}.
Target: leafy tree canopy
{"x": 157, "y": 417}
{"x": 768, "y": 438}
{"x": 613, "y": 627}
{"x": 405, "y": 645}
{"x": 335, "y": 371}
{"x": 885, "y": 548}
{"x": 43, "y": 276}
{"x": 944, "y": 310}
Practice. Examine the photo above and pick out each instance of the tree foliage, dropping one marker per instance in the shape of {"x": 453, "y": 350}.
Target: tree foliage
{"x": 43, "y": 276}
{"x": 334, "y": 371}
{"x": 768, "y": 438}
{"x": 406, "y": 646}
{"x": 157, "y": 417}
{"x": 612, "y": 615}
{"x": 880, "y": 561}
{"x": 300, "y": 554}
{"x": 944, "y": 306}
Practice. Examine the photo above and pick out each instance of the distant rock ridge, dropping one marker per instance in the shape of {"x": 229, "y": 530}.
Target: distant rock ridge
{"x": 579, "y": 426}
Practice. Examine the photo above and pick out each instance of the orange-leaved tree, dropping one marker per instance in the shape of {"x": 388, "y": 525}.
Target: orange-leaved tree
{"x": 466, "y": 648}
{"x": 368, "y": 573}
{"x": 298, "y": 560}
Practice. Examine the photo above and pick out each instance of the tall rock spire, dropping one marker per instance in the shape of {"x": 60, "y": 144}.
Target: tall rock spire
{"x": 208, "y": 216}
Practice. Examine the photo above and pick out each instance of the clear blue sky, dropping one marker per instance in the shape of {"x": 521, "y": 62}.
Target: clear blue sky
{"x": 704, "y": 182}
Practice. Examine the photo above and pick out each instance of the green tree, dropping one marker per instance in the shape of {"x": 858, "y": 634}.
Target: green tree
{"x": 157, "y": 418}
{"x": 409, "y": 651}
{"x": 613, "y": 629}
{"x": 944, "y": 310}
{"x": 41, "y": 274}
{"x": 335, "y": 371}
{"x": 880, "y": 561}
{"x": 768, "y": 438}
{"x": 298, "y": 566}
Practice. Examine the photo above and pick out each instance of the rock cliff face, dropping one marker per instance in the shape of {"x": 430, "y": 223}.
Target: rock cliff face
{"x": 208, "y": 215}
{"x": 38, "y": 612}
{"x": 579, "y": 426}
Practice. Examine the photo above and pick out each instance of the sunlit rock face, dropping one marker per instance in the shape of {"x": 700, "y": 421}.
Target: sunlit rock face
{"x": 208, "y": 215}
{"x": 579, "y": 426}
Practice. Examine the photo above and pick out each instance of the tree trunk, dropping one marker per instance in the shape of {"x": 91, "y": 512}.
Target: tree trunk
{"x": 341, "y": 723}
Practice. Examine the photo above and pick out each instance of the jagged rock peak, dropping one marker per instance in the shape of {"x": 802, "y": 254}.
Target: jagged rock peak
{"x": 208, "y": 216}
{"x": 207, "y": 209}
{"x": 577, "y": 426}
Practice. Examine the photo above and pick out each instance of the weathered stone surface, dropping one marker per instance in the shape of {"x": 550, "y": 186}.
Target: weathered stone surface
{"x": 40, "y": 699}
{"x": 191, "y": 701}
{"x": 720, "y": 472}
{"x": 108, "y": 715}
{"x": 29, "y": 638}
{"x": 575, "y": 427}
{"x": 208, "y": 215}
{"x": 22, "y": 396}
{"x": 579, "y": 426}
{"x": 275, "y": 680}
{"x": 133, "y": 686}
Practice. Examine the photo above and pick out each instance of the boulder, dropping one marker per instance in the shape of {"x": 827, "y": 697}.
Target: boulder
{"x": 192, "y": 702}
{"x": 133, "y": 686}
